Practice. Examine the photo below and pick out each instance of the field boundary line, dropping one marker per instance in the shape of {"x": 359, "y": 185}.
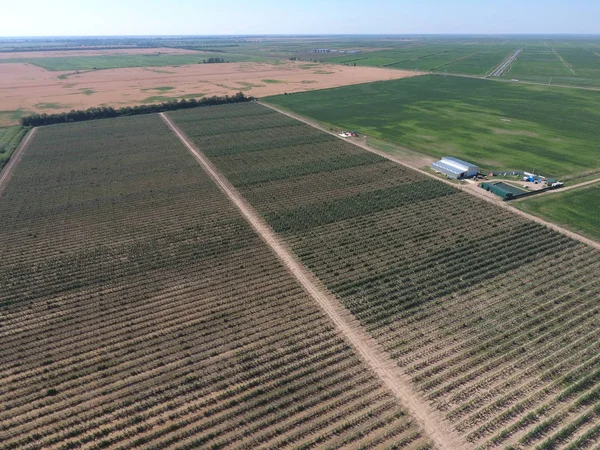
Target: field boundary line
{"x": 564, "y": 62}
{"x": 473, "y": 190}
{"x": 506, "y": 80}
{"x": 14, "y": 160}
{"x": 433, "y": 424}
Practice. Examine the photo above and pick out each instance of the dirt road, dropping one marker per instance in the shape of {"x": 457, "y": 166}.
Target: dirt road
{"x": 14, "y": 160}
{"x": 471, "y": 189}
{"x": 568, "y": 66}
{"x": 443, "y": 435}
{"x": 563, "y": 189}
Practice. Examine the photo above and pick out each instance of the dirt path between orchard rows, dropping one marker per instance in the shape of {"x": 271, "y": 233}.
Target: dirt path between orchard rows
{"x": 441, "y": 432}
{"x": 470, "y": 188}
{"x": 14, "y": 160}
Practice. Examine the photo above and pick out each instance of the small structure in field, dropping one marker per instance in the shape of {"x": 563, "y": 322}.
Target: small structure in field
{"x": 504, "y": 190}
{"x": 349, "y": 134}
{"x": 455, "y": 168}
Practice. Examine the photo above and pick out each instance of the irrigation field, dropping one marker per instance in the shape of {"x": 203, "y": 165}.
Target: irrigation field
{"x": 468, "y": 56}
{"x": 571, "y": 61}
{"x": 558, "y": 64}
{"x": 139, "y": 310}
{"x": 494, "y": 318}
{"x": 577, "y": 209}
{"x": 498, "y": 126}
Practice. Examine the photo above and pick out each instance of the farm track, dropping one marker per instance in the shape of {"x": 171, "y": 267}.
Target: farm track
{"x": 505, "y": 80}
{"x": 398, "y": 383}
{"x": 562, "y": 60}
{"x": 14, "y": 160}
{"x": 558, "y": 191}
{"x": 473, "y": 190}
{"x": 460, "y": 58}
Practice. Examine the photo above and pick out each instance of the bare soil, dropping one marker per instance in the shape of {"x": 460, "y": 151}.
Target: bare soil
{"x": 444, "y": 436}
{"x": 32, "y": 88}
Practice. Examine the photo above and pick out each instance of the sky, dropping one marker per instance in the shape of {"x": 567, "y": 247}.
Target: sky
{"x": 242, "y": 17}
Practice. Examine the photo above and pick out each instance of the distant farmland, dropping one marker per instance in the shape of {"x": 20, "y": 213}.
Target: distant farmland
{"x": 558, "y": 64}
{"x": 97, "y": 62}
{"x": 496, "y": 125}
{"x": 493, "y": 317}
{"x": 570, "y": 61}
{"x": 139, "y": 310}
{"x": 453, "y": 56}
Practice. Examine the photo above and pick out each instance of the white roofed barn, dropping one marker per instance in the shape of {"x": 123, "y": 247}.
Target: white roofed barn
{"x": 455, "y": 168}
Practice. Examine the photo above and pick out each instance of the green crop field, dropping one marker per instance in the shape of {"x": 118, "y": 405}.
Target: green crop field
{"x": 470, "y": 58}
{"x": 494, "y": 318}
{"x": 571, "y": 61}
{"x": 9, "y": 140}
{"x": 139, "y": 310}
{"x": 558, "y": 64}
{"x": 577, "y": 209}
{"x": 119, "y": 61}
{"x": 499, "y": 126}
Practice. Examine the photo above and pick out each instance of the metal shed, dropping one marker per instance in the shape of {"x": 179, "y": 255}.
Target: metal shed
{"x": 504, "y": 190}
{"x": 455, "y": 168}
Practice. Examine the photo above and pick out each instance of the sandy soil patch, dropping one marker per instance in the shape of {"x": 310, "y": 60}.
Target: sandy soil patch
{"x": 96, "y": 52}
{"x": 27, "y": 87}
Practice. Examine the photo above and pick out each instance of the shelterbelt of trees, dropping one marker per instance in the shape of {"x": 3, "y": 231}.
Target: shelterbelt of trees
{"x": 105, "y": 112}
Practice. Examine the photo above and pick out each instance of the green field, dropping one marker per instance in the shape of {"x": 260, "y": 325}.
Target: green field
{"x": 577, "y": 209}
{"x": 557, "y": 64}
{"x": 499, "y": 126}
{"x": 120, "y": 61}
{"x": 568, "y": 61}
{"x": 9, "y": 140}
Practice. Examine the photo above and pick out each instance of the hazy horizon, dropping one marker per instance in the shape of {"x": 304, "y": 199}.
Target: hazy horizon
{"x": 70, "y": 18}
{"x": 306, "y": 35}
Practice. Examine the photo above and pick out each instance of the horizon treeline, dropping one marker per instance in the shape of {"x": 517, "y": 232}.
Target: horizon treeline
{"x": 106, "y": 112}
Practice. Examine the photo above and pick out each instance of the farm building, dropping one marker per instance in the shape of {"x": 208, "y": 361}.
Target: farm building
{"x": 455, "y": 168}
{"x": 504, "y": 190}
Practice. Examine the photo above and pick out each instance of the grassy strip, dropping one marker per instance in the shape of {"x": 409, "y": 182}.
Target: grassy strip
{"x": 576, "y": 209}
{"x": 10, "y": 138}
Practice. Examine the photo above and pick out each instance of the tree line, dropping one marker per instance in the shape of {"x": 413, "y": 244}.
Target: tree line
{"x": 213, "y": 60}
{"x": 105, "y": 112}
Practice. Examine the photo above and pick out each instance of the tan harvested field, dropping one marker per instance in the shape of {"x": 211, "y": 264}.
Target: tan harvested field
{"x": 31, "y": 88}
